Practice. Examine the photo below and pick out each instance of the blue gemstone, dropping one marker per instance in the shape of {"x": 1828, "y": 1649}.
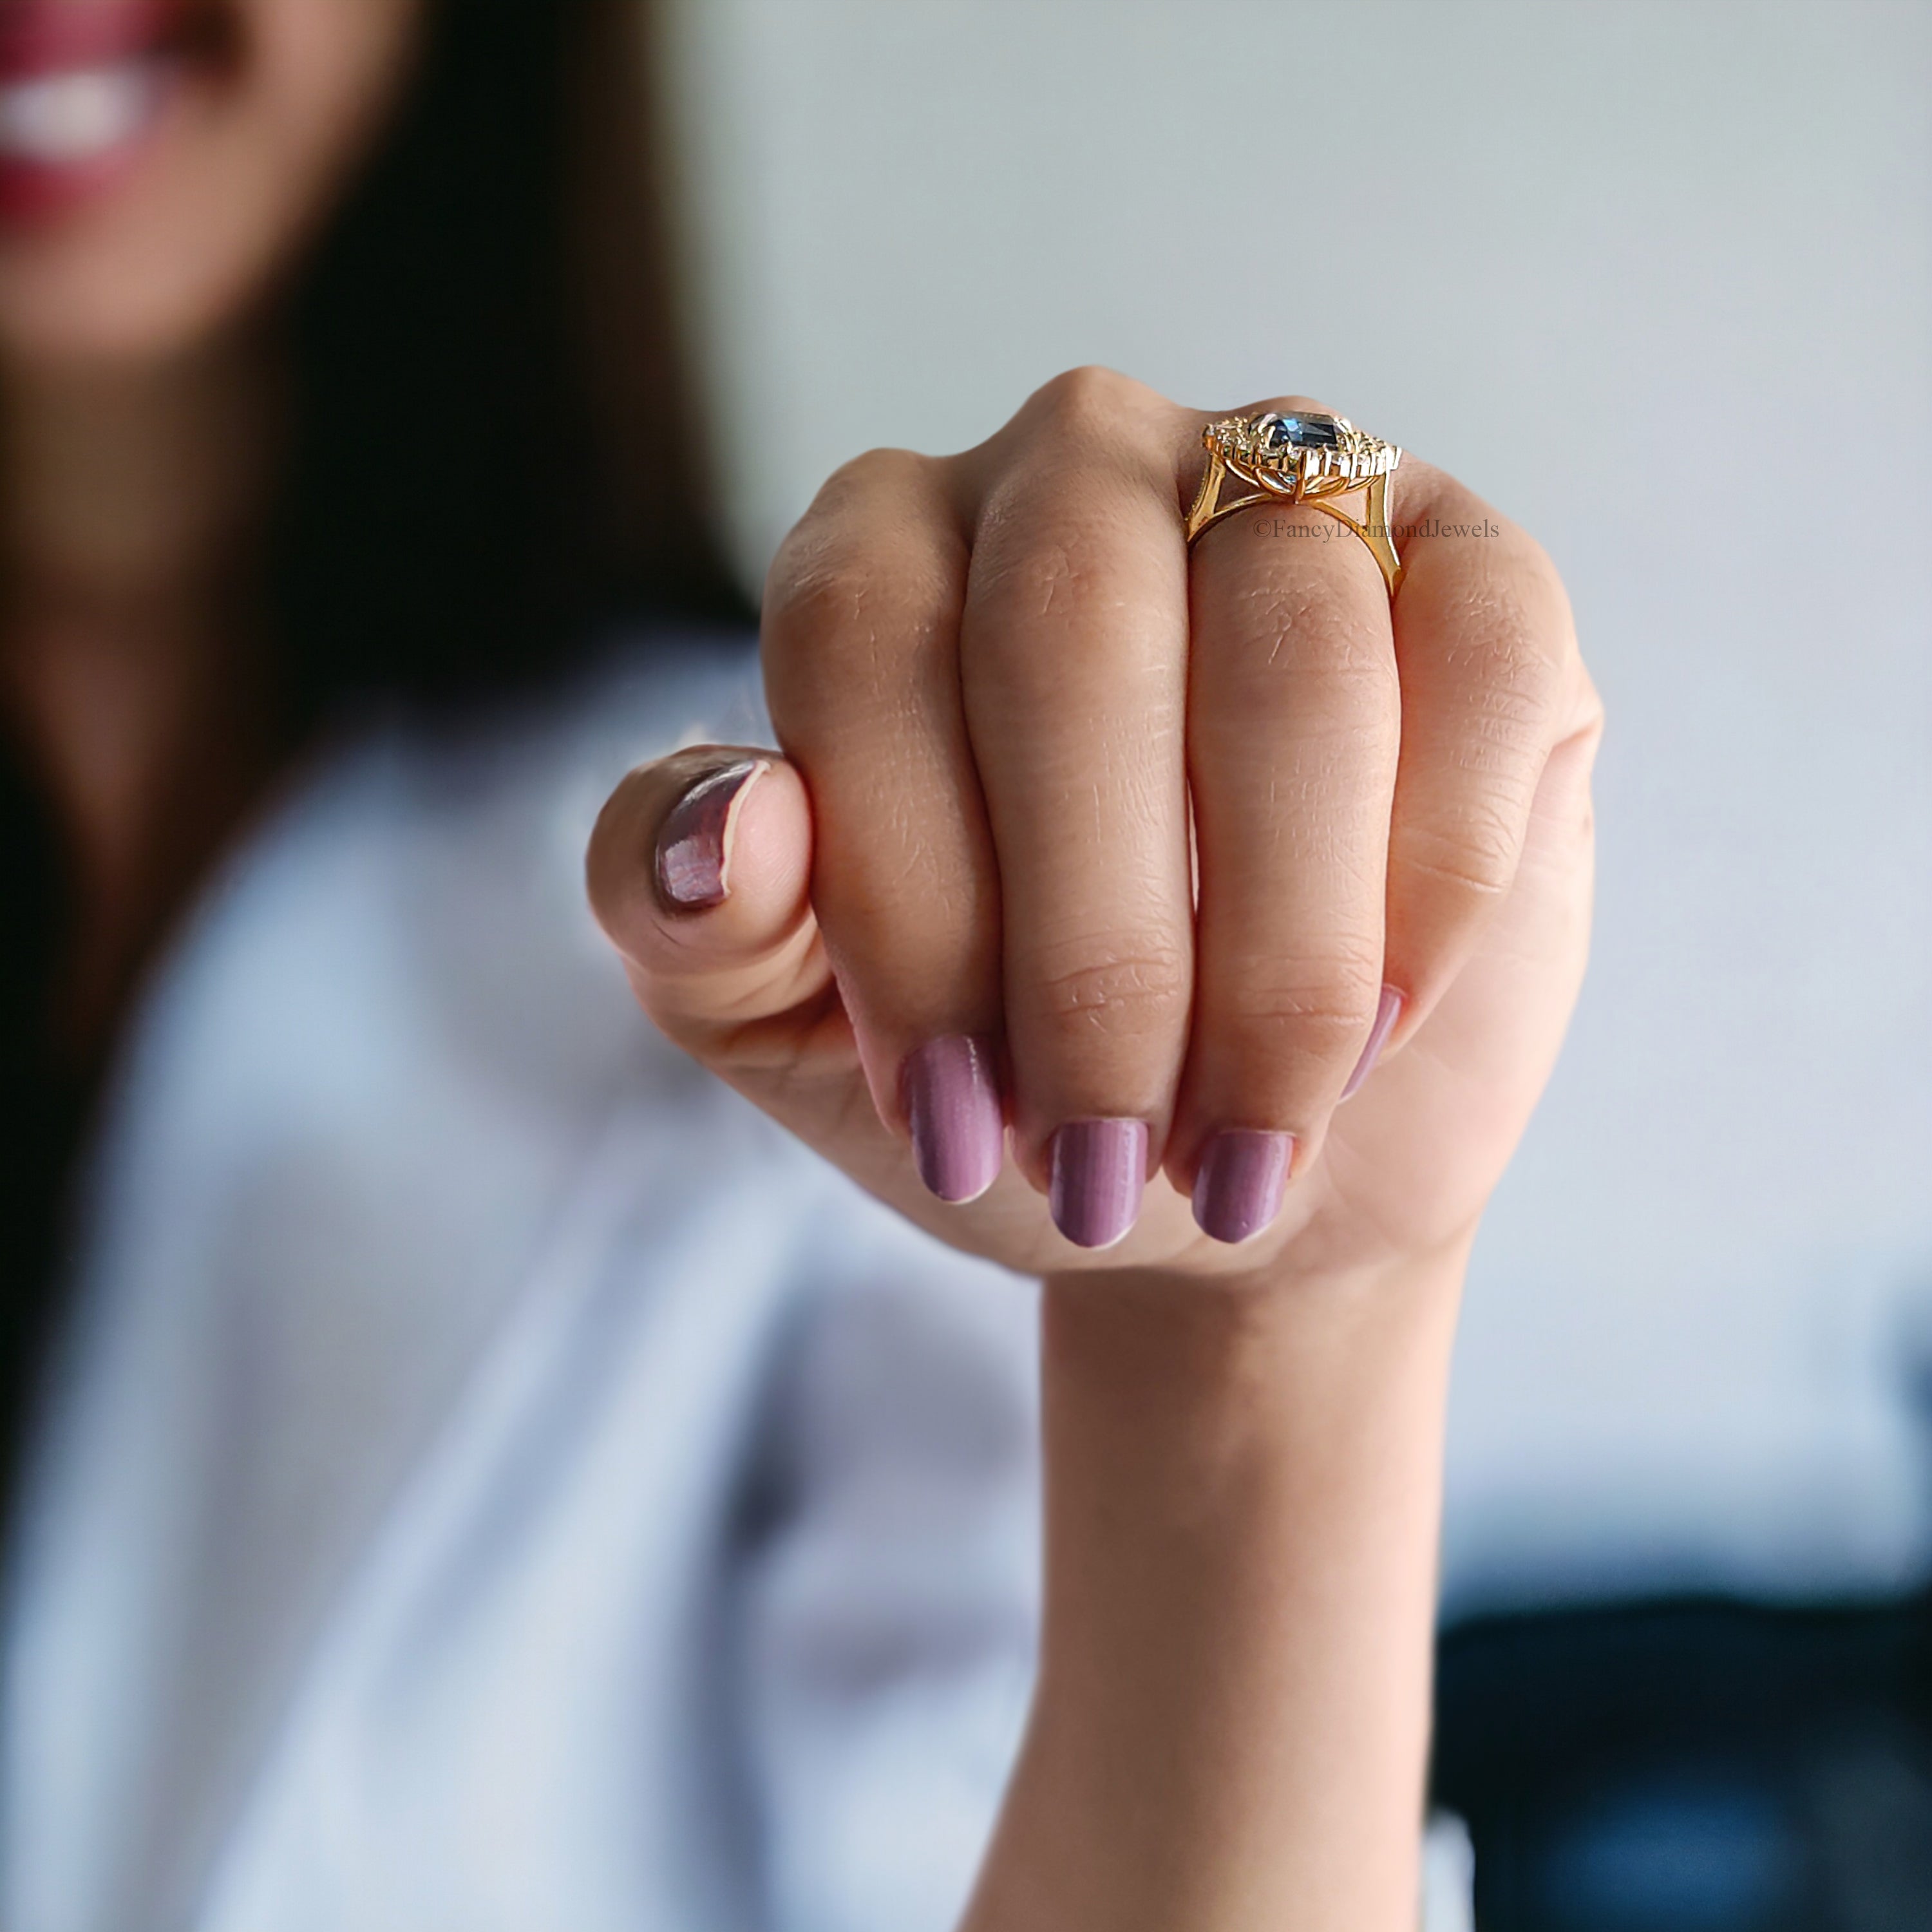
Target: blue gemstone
{"x": 1309, "y": 432}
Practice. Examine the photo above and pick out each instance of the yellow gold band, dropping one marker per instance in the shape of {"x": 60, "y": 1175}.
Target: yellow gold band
{"x": 1302, "y": 458}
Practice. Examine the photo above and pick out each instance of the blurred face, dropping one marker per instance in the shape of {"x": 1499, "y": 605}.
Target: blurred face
{"x": 162, "y": 160}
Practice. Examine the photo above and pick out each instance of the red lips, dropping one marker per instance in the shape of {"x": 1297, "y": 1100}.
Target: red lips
{"x": 81, "y": 85}
{"x": 39, "y": 37}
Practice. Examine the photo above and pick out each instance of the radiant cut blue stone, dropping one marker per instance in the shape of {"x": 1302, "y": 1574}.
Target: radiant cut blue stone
{"x": 1308, "y": 432}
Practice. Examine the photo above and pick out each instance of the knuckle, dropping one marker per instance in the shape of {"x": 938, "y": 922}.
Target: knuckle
{"x": 1303, "y": 1036}
{"x": 873, "y": 475}
{"x": 1509, "y": 593}
{"x": 1109, "y": 606}
{"x": 1330, "y": 648}
{"x": 1138, "y": 994}
{"x": 817, "y": 590}
{"x": 1538, "y": 569}
{"x": 1477, "y": 860}
{"x": 847, "y": 627}
{"x": 1090, "y": 391}
{"x": 1093, "y": 409}
{"x": 1320, "y": 1011}
{"x": 1065, "y": 578}
{"x": 872, "y": 534}
{"x": 1512, "y": 683}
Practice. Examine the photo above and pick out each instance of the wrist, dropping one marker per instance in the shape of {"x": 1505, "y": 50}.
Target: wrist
{"x": 1291, "y": 1369}
{"x": 1277, "y": 1294}
{"x": 1242, "y": 1496}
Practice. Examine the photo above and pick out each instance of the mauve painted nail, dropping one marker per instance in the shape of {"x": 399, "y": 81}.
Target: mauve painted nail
{"x": 1388, "y": 1010}
{"x": 1237, "y": 1191}
{"x": 1098, "y": 1173}
{"x": 694, "y": 842}
{"x": 958, "y": 1133}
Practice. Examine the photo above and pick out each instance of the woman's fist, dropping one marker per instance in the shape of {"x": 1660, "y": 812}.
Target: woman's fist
{"x": 1091, "y": 865}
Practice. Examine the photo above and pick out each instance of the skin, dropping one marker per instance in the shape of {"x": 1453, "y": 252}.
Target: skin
{"x": 190, "y": 242}
{"x": 998, "y": 680}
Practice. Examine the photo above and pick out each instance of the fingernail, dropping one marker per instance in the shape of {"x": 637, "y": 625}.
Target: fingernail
{"x": 694, "y": 842}
{"x": 1388, "y": 1010}
{"x": 1098, "y": 1171}
{"x": 958, "y": 1133}
{"x": 1243, "y": 1176}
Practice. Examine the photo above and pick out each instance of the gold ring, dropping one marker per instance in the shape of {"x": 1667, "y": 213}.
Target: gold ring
{"x": 1300, "y": 457}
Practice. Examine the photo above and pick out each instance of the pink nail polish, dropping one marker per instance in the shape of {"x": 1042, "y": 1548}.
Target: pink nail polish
{"x": 694, "y": 855}
{"x": 1243, "y": 1176}
{"x": 1098, "y": 1171}
{"x": 952, "y": 1100}
{"x": 1388, "y": 1010}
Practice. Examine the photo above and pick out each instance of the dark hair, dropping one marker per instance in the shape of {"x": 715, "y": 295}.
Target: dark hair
{"x": 491, "y": 449}
{"x": 493, "y": 446}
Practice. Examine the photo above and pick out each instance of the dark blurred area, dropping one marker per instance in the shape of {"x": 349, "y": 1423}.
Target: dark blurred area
{"x": 1691, "y": 1765}
{"x": 493, "y": 449}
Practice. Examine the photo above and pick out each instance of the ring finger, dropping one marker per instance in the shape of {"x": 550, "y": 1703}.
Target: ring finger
{"x": 1294, "y": 729}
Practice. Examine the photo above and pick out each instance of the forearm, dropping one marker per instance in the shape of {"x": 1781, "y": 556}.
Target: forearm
{"x": 1231, "y": 1723}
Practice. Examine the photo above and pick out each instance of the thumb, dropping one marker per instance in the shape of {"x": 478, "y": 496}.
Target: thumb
{"x": 700, "y": 871}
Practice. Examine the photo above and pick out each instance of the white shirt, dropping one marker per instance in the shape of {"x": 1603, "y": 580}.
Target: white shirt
{"x": 493, "y": 1479}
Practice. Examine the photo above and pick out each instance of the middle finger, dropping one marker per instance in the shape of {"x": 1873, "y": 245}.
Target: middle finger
{"x": 1073, "y": 650}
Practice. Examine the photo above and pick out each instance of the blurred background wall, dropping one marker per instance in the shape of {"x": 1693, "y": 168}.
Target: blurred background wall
{"x": 1657, "y": 279}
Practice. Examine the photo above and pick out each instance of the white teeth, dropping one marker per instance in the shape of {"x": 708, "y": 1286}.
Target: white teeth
{"x": 60, "y": 119}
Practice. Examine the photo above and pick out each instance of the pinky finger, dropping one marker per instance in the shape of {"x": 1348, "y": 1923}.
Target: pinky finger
{"x": 1491, "y": 684}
